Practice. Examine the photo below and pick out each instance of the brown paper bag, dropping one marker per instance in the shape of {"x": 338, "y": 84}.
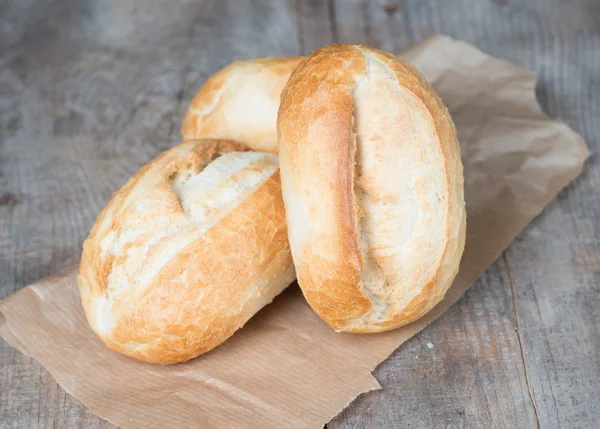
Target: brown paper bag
{"x": 286, "y": 368}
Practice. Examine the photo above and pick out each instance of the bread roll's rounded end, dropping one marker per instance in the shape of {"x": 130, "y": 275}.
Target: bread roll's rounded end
{"x": 186, "y": 252}
{"x": 372, "y": 183}
{"x": 240, "y": 103}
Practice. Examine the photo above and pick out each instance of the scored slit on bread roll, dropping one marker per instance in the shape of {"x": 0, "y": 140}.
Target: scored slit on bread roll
{"x": 372, "y": 183}
{"x": 240, "y": 103}
{"x": 186, "y": 252}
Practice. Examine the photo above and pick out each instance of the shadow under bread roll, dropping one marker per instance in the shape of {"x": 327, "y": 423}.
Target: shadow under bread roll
{"x": 372, "y": 183}
{"x": 240, "y": 103}
{"x": 186, "y": 252}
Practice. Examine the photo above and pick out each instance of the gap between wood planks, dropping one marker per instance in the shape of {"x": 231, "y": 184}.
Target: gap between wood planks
{"x": 520, "y": 340}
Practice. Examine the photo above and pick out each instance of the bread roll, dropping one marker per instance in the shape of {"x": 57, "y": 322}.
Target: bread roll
{"x": 186, "y": 252}
{"x": 240, "y": 103}
{"x": 372, "y": 183}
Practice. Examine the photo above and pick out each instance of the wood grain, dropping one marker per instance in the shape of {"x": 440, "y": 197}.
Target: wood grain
{"x": 90, "y": 91}
{"x": 314, "y": 24}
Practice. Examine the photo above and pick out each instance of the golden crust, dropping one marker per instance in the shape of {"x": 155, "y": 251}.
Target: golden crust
{"x": 318, "y": 137}
{"x": 323, "y": 110}
{"x": 240, "y": 103}
{"x": 199, "y": 295}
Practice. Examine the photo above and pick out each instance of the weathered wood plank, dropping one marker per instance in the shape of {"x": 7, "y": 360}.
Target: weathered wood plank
{"x": 382, "y": 22}
{"x": 349, "y": 21}
{"x": 90, "y": 91}
{"x": 314, "y": 24}
{"x": 465, "y": 370}
{"x": 555, "y": 276}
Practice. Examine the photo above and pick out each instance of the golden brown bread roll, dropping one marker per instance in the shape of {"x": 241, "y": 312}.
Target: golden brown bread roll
{"x": 372, "y": 183}
{"x": 186, "y": 252}
{"x": 240, "y": 103}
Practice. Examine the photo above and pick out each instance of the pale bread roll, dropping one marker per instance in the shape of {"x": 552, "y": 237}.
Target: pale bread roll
{"x": 240, "y": 103}
{"x": 186, "y": 252}
{"x": 372, "y": 183}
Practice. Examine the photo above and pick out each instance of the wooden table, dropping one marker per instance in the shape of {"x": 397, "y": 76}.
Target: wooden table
{"x": 91, "y": 90}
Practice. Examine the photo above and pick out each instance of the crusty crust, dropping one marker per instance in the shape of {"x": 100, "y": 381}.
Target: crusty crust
{"x": 207, "y": 290}
{"x": 240, "y": 103}
{"x": 316, "y": 111}
{"x": 318, "y": 156}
